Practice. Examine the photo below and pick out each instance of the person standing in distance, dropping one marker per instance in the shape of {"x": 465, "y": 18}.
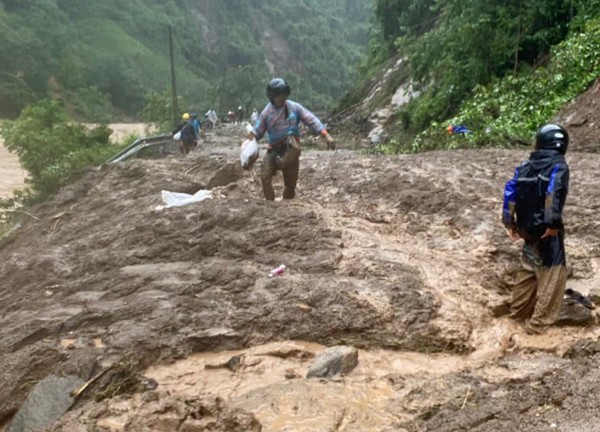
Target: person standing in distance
{"x": 280, "y": 120}
{"x": 533, "y": 203}
{"x": 253, "y": 117}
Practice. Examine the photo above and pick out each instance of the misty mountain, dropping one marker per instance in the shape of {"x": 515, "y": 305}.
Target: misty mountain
{"x": 102, "y": 58}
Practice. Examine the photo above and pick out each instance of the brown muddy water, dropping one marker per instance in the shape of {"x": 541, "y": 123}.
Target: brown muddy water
{"x": 403, "y": 252}
{"x": 12, "y": 176}
{"x": 270, "y": 381}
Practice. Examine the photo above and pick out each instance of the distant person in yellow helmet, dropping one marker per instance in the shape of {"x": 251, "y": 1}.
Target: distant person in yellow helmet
{"x": 185, "y": 134}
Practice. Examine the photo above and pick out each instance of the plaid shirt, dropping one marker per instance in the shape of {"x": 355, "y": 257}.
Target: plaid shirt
{"x": 273, "y": 121}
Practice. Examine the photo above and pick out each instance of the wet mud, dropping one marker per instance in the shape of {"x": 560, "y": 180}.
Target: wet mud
{"x": 402, "y": 257}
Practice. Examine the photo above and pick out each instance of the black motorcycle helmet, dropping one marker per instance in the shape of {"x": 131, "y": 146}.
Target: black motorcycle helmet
{"x": 552, "y": 136}
{"x": 276, "y": 87}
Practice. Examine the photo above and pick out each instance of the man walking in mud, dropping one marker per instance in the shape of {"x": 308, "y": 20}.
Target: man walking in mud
{"x": 280, "y": 120}
{"x": 187, "y": 134}
{"x": 533, "y": 203}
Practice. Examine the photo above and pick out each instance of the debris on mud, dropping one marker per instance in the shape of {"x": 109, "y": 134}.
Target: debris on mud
{"x": 159, "y": 411}
{"x": 401, "y": 257}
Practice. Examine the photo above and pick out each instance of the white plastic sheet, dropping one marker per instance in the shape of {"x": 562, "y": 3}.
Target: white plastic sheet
{"x": 177, "y": 136}
{"x": 178, "y": 199}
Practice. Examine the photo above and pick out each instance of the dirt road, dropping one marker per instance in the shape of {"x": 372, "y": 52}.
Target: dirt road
{"x": 402, "y": 257}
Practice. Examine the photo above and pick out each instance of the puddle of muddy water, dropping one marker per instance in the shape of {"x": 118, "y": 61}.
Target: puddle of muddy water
{"x": 270, "y": 379}
{"x": 270, "y": 382}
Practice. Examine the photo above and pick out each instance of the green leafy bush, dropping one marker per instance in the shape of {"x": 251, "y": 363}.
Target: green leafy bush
{"x": 52, "y": 149}
{"x": 158, "y": 111}
{"x": 508, "y": 111}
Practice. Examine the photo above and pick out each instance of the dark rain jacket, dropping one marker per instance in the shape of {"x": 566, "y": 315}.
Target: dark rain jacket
{"x": 533, "y": 201}
{"x": 188, "y": 133}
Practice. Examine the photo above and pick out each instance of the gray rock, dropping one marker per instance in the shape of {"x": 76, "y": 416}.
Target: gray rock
{"x": 48, "y": 401}
{"x": 573, "y": 314}
{"x": 332, "y": 361}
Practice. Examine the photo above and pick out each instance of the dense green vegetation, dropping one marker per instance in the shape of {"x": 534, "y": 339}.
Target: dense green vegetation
{"x": 52, "y": 148}
{"x": 105, "y": 58}
{"x": 508, "y": 110}
{"x": 496, "y": 65}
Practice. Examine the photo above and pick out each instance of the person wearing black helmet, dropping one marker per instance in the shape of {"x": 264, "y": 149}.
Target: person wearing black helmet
{"x": 280, "y": 120}
{"x": 533, "y": 203}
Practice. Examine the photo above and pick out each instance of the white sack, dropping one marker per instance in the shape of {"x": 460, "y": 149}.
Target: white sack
{"x": 249, "y": 153}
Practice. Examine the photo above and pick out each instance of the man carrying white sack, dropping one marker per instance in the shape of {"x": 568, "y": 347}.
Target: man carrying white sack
{"x": 280, "y": 120}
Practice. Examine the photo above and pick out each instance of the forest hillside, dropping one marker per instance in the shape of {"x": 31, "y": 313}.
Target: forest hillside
{"x": 499, "y": 68}
{"x": 106, "y": 59}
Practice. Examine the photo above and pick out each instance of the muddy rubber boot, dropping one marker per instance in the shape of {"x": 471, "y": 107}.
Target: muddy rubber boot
{"x": 290, "y": 177}
{"x": 534, "y": 329}
{"x": 289, "y": 193}
{"x": 290, "y": 168}
{"x": 267, "y": 172}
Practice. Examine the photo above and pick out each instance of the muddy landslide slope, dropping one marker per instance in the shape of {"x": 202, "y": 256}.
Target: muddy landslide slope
{"x": 403, "y": 253}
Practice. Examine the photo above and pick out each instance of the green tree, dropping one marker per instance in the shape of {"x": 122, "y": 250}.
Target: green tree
{"x": 51, "y": 148}
{"x": 159, "y": 110}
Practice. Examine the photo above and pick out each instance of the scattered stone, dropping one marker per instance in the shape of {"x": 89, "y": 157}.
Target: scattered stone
{"x": 48, "y": 401}
{"x": 333, "y": 361}
{"x": 594, "y": 295}
{"x": 233, "y": 364}
{"x": 292, "y": 374}
{"x": 148, "y": 384}
{"x": 574, "y": 314}
{"x": 215, "y": 332}
{"x": 573, "y": 296}
{"x": 150, "y": 396}
{"x": 68, "y": 343}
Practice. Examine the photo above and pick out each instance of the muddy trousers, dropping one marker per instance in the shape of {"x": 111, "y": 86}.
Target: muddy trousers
{"x": 289, "y": 164}
{"x": 538, "y": 294}
{"x": 186, "y": 146}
